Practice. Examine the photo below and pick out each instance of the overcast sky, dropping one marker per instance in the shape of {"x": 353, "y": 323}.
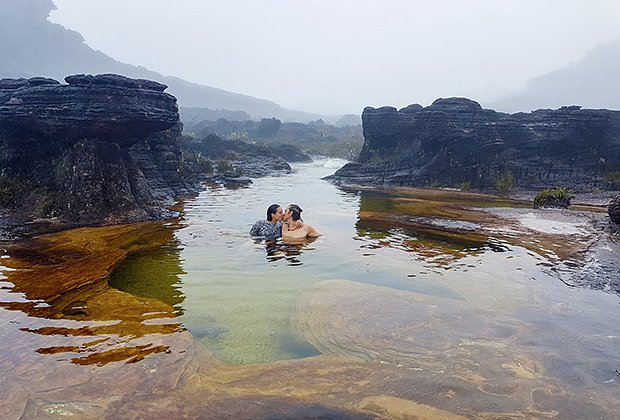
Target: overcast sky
{"x": 338, "y": 56}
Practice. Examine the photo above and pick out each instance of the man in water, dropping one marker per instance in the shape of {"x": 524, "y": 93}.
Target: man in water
{"x": 293, "y": 226}
{"x": 272, "y": 227}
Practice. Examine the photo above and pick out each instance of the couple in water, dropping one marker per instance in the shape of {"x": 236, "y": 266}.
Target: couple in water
{"x": 286, "y": 224}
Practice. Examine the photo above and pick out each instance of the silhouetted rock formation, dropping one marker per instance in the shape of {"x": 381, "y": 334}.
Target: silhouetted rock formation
{"x": 100, "y": 149}
{"x": 456, "y": 143}
{"x": 614, "y": 210}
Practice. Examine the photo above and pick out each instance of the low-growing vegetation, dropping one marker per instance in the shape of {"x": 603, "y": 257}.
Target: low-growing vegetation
{"x": 613, "y": 177}
{"x": 504, "y": 182}
{"x": 9, "y": 189}
{"x": 553, "y": 197}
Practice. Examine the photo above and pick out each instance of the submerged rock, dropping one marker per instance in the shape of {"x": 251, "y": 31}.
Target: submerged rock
{"x": 230, "y": 181}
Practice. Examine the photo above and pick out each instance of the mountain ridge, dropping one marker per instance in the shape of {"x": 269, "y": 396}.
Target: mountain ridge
{"x": 589, "y": 83}
{"x": 37, "y": 47}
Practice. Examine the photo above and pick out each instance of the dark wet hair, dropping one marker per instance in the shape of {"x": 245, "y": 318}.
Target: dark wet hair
{"x": 295, "y": 211}
{"x": 271, "y": 210}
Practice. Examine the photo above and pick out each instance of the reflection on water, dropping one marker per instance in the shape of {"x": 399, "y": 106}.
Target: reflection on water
{"x": 65, "y": 292}
{"x": 412, "y": 302}
{"x": 287, "y": 250}
{"x": 435, "y": 242}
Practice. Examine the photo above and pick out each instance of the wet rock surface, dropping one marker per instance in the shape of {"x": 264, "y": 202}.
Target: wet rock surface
{"x": 580, "y": 243}
{"x": 455, "y": 142}
{"x": 99, "y": 149}
{"x": 614, "y": 210}
{"x": 411, "y": 331}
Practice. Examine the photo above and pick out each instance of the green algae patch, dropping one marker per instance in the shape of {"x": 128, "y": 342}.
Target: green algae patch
{"x": 63, "y": 278}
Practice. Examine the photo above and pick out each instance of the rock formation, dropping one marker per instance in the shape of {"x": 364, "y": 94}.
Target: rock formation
{"x": 456, "y": 143}
{"x": 614, "y": 210}
{"x": 98, "y": 149}
{"x": 315, "y": 137}
{"x": 233, "y": 158}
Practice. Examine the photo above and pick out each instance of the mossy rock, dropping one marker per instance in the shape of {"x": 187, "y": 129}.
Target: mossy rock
{"x": 553, "y": 198}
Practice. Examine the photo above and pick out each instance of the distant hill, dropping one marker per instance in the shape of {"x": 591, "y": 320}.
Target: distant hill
{"x": 591, "y": 83}
{"x": 30, "y": 46}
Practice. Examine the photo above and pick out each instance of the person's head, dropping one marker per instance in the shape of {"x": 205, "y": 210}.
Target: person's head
{"x": 274, "y": 212}
{"x": 294, "y": 211}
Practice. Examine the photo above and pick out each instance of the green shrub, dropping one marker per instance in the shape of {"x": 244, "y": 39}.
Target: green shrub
{"x": 222, "y": 166}
{"x": 464, "y": 186}
{"x": 203, "y": 163}
{"x": 553, "y": 197}
{"x": 9, "y": 189}
{"x": 49, "y": 204}
{"x": 613, "y": 177}
{"x": 504, "y": 182}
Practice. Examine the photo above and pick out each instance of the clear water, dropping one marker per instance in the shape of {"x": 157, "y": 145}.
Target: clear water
{"x": 238, "y": 296}
{"x": 240, "y": 293}
{"x": 414, "y": 295}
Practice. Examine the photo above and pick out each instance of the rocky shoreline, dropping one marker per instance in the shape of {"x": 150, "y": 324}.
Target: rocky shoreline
{"x": 107, "y": 149}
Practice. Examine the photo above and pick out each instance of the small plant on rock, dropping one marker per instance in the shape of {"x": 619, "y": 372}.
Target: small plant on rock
{"x": 464, "y": 186}
{"x": 8, "y": 191}
{"x": 553, "y": 197}
{"x": 224, "y": 166}
{"x": 504, "y": 182}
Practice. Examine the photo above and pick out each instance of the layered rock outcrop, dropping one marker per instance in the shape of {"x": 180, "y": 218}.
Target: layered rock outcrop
{"x": 456, "y": 143}
{"x": 98, "y": 149}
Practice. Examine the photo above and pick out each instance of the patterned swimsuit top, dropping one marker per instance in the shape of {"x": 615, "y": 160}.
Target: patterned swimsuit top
{"x": 265, "y": 229}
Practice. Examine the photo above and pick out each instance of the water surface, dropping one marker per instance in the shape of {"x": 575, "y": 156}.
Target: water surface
{"x": 409, "y": 302}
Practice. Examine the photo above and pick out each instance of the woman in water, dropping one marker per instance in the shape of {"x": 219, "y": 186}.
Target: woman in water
{"x": 272, "y": 227}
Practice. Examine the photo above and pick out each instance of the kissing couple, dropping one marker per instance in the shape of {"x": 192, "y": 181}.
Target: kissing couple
{"x": 286, "y": 224}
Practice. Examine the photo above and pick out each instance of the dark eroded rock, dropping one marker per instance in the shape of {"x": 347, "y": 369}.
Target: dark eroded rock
{"x": 614, "y": 210}
{"x": 456, "y": 143}
{"x": 110, "y": 107}
{"x": 102, "y": 149}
